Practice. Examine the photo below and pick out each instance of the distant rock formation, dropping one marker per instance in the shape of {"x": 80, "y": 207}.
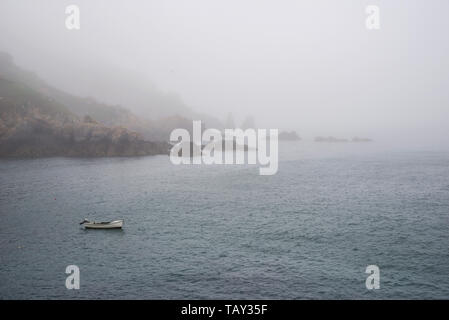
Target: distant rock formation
{"x": 249, "y": 123}
{"x": 230, "y": 124}
{"x": 329, "y": 139}
{"x": 161, "y": 129}
{"x": 289, "y": 136}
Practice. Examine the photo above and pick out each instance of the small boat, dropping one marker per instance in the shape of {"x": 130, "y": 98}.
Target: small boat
{"x": 116, "y": 224}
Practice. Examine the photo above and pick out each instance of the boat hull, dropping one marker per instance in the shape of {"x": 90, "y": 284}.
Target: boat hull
{"x": 118, "y": 224}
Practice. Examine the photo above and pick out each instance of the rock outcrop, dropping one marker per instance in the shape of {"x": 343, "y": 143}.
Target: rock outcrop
{"x": 330, "y": 139}
{"x": 34, "y": 125}
{"x": 289, "y": 136}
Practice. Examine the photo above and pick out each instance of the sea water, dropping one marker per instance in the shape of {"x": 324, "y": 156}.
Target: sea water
{"x": 224, "y": 231}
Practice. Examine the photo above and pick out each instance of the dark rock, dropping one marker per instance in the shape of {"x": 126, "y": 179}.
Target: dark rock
{"x": 289, "y": 136}
{"x": 33, "y": 126}
{"x": 329, "y": 139}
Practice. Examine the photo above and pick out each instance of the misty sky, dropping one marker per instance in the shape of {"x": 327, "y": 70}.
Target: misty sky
{"x": 311, "y": 66}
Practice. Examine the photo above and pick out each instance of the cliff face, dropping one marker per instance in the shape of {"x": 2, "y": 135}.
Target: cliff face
{"x": 157, "y": 129}
{"x": 34, "y": 125}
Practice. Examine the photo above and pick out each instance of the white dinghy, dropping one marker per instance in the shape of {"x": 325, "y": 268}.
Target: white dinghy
{"x": 116, "y": 224}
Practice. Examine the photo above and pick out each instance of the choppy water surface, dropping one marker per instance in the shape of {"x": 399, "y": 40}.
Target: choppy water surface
{"x": 223, "y": 232}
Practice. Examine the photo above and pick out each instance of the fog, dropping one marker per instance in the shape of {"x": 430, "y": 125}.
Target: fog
{"x": 309, "y": 66}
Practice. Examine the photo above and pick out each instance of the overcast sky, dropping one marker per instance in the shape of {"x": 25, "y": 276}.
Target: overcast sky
{"x": 310, "y": 65}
